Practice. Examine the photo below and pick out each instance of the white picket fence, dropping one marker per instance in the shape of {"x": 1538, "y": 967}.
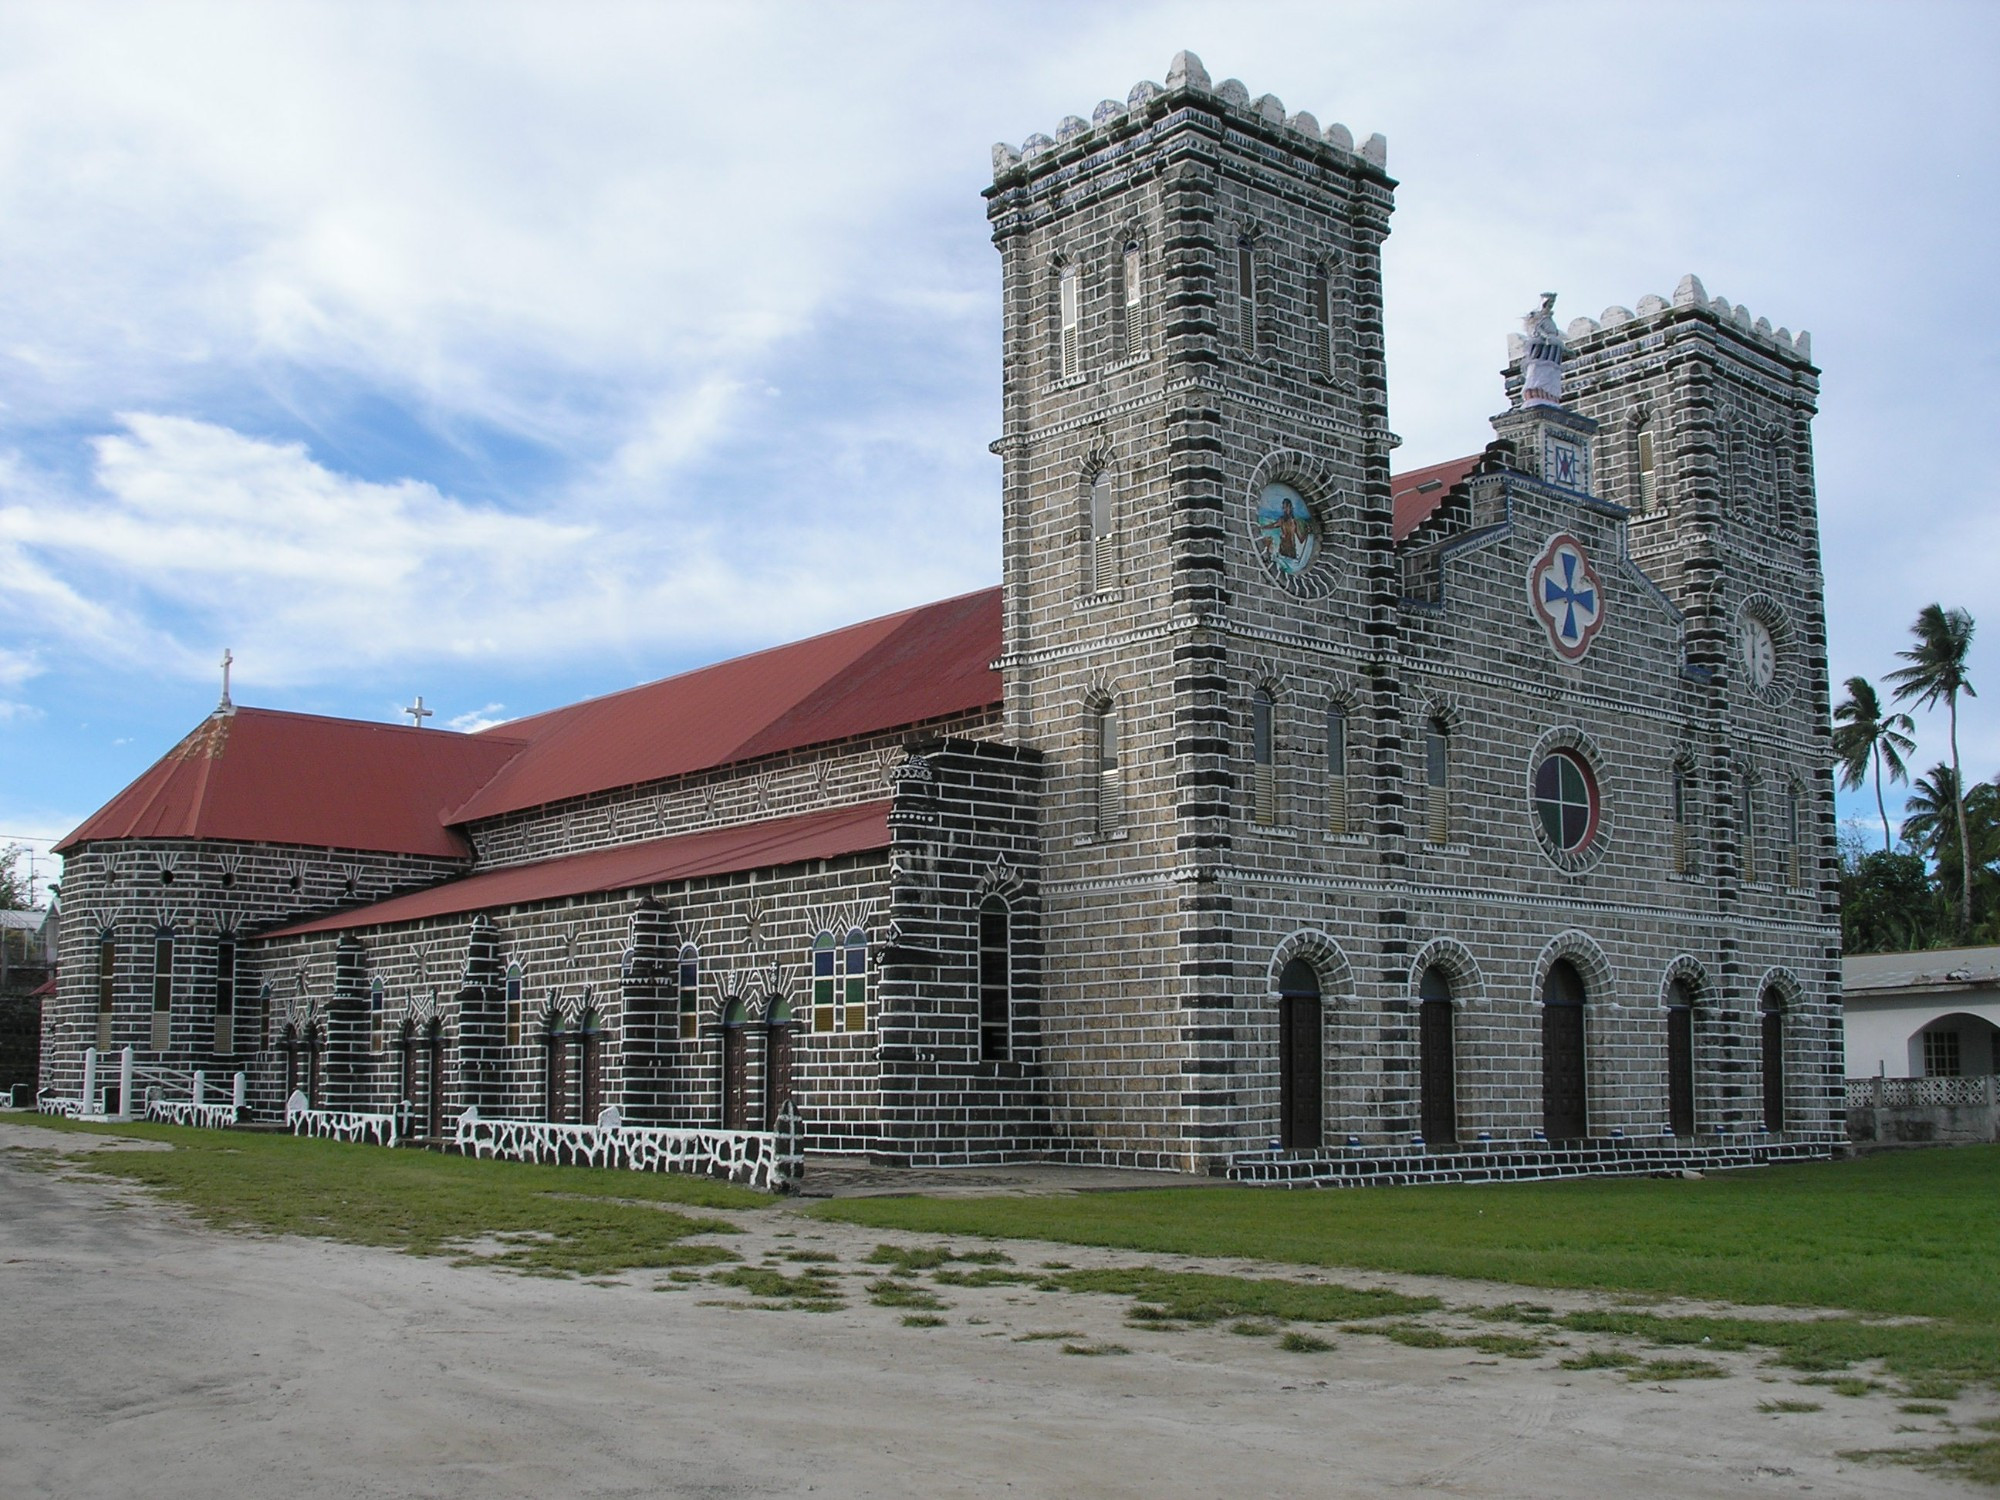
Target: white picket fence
{"x": 769, "y": 1159}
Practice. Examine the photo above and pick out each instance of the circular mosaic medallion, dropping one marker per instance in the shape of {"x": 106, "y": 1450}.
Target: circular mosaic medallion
{"x": 1287, "y": 530}
{"x": 1567, "y": 597}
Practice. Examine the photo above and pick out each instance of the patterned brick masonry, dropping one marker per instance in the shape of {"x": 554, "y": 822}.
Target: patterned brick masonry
{"x": 1295, "y": 842}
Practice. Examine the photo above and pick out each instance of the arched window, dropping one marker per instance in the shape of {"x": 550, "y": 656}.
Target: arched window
{"x": 163, "y": 987}
{"x": 1793, "y": 863}
{"x": 375, "y": 1015}
{"x": 1680, "y": 1059}
{"x": 107, "y": 986}
{"x": 1110, "y": 786}
{"x": 1746, "y": 812}
{"x": 1131, "y": 301}
{"x": 225, "y": 995}
{"x": 1069, "y": 311}
{"x": 825, "y": 981}
{"x": 1246, "y": 294}
{"x": 1437, "y": 784}
{"x": 1645, "y": 469}
{"x": 1437, "y": 1063}
{"x": 1102, "y": 563}
{"x": 1329, "y": 315}
{"x": 1263, "y": 760}
{"x": 1336, "y": 769}
{"x": 513, "y": 1005}
{"x": 1773, "y": 1057}
{"x": 690, "y": 991}
{"x": 1565, "y": 1112}
{"x": 854, "y": 980}
{"x": 996, "y": 981}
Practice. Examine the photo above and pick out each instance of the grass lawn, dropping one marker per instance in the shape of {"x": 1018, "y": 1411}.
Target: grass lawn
{"x": 554, "y": 1220}
{"x": 1908, "y": 1235}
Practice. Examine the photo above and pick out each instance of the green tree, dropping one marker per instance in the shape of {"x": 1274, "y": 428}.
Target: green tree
{"x": 1888, "y": 903}
{"x": 1937, "y": 669}
{"x": 1933, "y": 816}
{"x": 1865, "y": 737}
{"x": 17, "y": 890}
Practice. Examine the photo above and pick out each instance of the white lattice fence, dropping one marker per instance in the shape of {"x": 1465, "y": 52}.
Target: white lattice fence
{"x": 1915, "y": 1093}
{"x": 767, "y": 1159}
{"x": 339, "y": 1124}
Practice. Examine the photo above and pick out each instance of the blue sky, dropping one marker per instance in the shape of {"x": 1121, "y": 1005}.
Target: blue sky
{"x": 509, "y": 354}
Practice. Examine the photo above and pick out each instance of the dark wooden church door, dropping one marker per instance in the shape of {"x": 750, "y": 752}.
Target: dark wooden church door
{"x": 1299, "y": 1062}
{"x": 1437, "y": 1061}
{"x": 434, "y": 1081}
{"x": 1680, "y": 1063}
{"x": 777, "y": 1063}
{"x": 735, "y": 1067}
{"x": 1773, "y": 1057}
{"x": 1565, "y": 1115}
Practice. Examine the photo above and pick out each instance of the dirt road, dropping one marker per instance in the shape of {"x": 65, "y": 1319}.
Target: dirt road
{"x": 142, "y": 1356}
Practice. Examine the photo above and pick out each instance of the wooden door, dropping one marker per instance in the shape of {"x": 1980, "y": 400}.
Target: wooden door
{"x": 1565, "y": 1114}
{"x": 777, "y": 1070}
{"x": 1299, "y": 1061}
{"x": 1680, "y": 1070}
{"x": 555, "y": 1079}
{"x": 1438, "y": 1072}
{"x": 589, "y": 1101}
{"x": 1774, "y": 1064}
{"x": 735, "y": 1076}
{"x": 434, "y": 1083}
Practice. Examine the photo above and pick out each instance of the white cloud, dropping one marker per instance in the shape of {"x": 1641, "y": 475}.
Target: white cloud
{"x": 478, "y": 719}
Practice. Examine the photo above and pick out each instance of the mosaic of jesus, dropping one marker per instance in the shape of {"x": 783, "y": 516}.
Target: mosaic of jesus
{"x": 1287, "y": 529}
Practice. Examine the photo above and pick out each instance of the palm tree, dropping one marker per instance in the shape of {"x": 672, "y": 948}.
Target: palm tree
{"x": 1928, "y": 827}
{"x": 1866, "y": 736}
{"x": 1937, "y": 670}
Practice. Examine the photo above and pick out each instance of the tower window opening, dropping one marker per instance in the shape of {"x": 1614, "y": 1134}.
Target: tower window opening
{"x": 1746, "y": 813}
{"x": 1131, "y": 266}
{"x": 107, "y": 988}
{"x": 1682, "y": 851}
{"x": 1069, "y": 310}
{"x": 1263, "y": 761}
{"x": 690, "y": 991}
{"x": 163, "y": 988}
{"x": 1103, "y": 560}
{"x": 1437, "y": 785}
{"x": 1246, "y": 294}
{"x": 1648, "y": 473}
{"x": 1336, "y": 769}
{"x": 996, "y": 982}
{"x": 225, "y": 995}
{"x": 1110, "y": 784}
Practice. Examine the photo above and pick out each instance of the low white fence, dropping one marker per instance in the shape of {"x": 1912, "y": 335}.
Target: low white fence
{"x": 1918, "y": 1093}
{"x": 339, "y": 1124}
{"x": 191, "y": 1112}
{"x": 767, "y": 1159}
{"x": 146, "y": 1092}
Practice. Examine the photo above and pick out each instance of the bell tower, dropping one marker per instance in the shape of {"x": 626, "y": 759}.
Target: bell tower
{"x": 1196, "y": 553}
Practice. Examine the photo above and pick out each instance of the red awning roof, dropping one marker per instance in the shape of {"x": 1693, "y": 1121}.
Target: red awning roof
{"x": 1421, "y": 491}
{"x": 902, "y": 669}
{"x": 685, "y": 856}
{"x": 284, "y": 778}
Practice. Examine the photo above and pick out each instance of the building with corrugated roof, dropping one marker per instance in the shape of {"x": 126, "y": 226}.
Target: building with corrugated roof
{"x": 1275, "y": 816}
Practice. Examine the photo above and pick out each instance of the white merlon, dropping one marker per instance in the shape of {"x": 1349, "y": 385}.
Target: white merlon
{"x": 1071, "y": 127}
{"x": 1005, "y": 158}
{"x": 1107, "y": 110}
{"x": 1035, "y": 145}
{"x": 1186, "y": 71}
{"x": 1304, "y": 124}
{"x": 1614, "y": 315}
{"x": 1339, "y": 135}
{"x": 1143, "y": 92}
{"x": 1232, "y": 91}
{"x": 1690, "y": 292}
{"x": 1651, "y": 304}
{"x": 1271, "y": 107}
{"x": 1376, "y": 149}
{"x": 1802, "y": 341}
{"x": 1581, "y": 328}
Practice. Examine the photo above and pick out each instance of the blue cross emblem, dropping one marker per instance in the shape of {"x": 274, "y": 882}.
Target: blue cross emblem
{"x": 1569, "y": 596}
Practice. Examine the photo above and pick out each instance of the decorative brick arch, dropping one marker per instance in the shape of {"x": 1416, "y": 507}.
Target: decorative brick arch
{"x": 1581, "y": 949}
{"x": 1791, "y": 993}
{"x": 1461, "y": 970}
{"x": 1323, "y": 955}
{"x": 1689, "y": 971}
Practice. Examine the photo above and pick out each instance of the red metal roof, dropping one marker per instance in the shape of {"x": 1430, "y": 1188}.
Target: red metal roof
{"x": 685, "y": 856}
{"x": 1420, "y": 492}
{"x": 902, "y": 669}
{"x": 284, "y": 778}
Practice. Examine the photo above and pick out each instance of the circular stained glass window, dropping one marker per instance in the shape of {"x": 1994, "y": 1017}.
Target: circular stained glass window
{"x": 1566, "y": 800}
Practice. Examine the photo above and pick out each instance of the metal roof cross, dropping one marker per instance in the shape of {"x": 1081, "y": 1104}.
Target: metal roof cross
{"x": 418, "y": 713}
{"x": 228, "y": 656}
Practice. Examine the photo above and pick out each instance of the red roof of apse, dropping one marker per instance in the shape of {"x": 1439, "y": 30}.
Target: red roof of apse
{"x": 685, "y": 856}
{"x": 902, "y": 669}
{"x": 284, "y": 778}
{"x": 1421, "y": 491}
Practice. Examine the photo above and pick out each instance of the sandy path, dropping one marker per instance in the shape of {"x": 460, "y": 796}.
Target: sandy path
{"x": 145, "y": 1356}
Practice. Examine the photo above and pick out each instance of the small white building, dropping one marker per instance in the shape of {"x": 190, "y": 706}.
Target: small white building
{"x": 1932, "y": 1014}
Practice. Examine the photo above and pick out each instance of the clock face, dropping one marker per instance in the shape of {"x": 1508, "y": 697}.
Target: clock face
{"x": 1287, "y": 530}
{"x": 1760, "y": 652}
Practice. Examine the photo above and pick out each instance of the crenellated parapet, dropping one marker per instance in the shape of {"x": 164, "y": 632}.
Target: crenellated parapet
{"x": 1186, "y": 76}
{"x": 1689, "y": 294}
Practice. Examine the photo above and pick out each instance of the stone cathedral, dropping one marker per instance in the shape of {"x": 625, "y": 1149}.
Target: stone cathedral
{"x": 1277, "y": 816}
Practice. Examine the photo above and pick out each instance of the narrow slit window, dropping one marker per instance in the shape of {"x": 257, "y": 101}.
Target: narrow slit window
{"x": 996, "y": 982}
{"x": 1246, "y": 294}
{"x": 1437, "y": 786}
{"x": 1793, "y": 859}
{"x": 1110, "y": 782}
{"x": 225, "y": 996}
{"x": 1336, "y": 769}
{"x": 1263, "y": 760}
{"x": 1682, "y": 852}
{"x": 1747, "y": 819}
{"x": 1069, "y": 311}
{"x": 107, "y": 988}
{"x": 1103, "y": 560}
{"x": 1648, "y": 474}
{"x": 513, "y": 1005}
{"x": 163, "y": 989}
{"x": 1131, "y": 269}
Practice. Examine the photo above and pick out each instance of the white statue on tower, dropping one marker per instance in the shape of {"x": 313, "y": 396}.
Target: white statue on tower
{"x": 1542, "y": 355}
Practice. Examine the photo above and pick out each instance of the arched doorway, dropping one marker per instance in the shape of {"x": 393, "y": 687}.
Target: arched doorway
{"x": 777, "y": 1061}
{"x": 590, "y": 1099}
{"x": 1772, "y": 1056}
{"x": 434, "y": 1079}
{"x": 1437, "y": 1066}
{"x": 1680, "y": 1059}
{"x": 1299, "y": 1062}
{"x": 289, "y": 1043}
{"x": 555, "y": 1070}
{"x": 315, "y": 1040}
{"x": 1565, "y": 1111}
{"x": 735, "y": 1066}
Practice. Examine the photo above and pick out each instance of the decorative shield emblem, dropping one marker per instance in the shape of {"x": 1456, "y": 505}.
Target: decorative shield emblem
{"x": 1566, "y": 595}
